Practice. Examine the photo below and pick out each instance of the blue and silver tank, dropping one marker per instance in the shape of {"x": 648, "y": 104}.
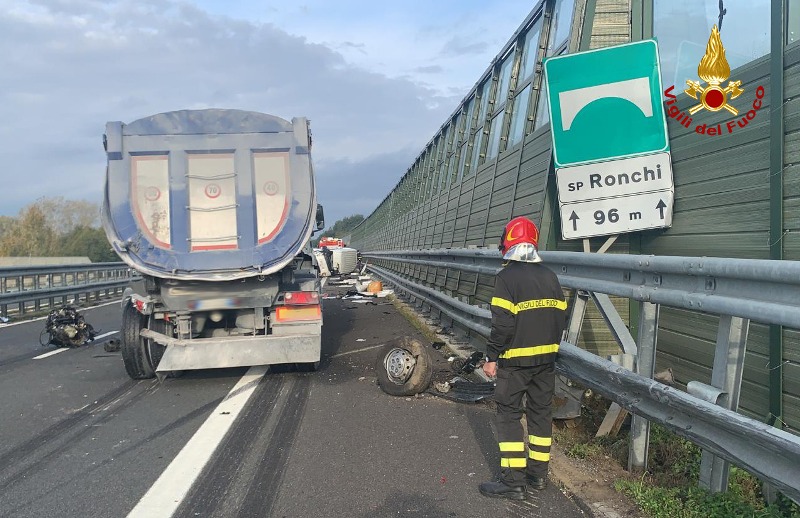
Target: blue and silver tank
{"x": 209, "y": 194}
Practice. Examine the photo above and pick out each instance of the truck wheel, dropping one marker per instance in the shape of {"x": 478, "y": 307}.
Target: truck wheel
{"x": 134, "y": 346}
{"x": 403, "y": 367}
{"x": 155, "y": 350}
{"x": 307, "y": 367}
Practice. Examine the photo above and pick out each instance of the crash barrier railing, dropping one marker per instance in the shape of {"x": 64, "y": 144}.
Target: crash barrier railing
{"x": 738, "y": 290}
{"x": 32, "y": 288}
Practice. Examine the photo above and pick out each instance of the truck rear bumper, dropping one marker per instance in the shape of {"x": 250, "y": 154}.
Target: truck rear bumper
{"x": 235, "y": 351}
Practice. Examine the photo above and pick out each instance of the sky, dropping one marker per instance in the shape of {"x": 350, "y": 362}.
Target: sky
{"x": 376, "y": 80}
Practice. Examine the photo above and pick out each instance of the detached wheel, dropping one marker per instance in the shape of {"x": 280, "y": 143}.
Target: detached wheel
{"x": 403, "y": 367}
{"x": 133, "y": 346}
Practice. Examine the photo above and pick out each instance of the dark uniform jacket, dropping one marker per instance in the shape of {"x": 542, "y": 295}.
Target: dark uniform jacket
{"x": 529, "y": 315}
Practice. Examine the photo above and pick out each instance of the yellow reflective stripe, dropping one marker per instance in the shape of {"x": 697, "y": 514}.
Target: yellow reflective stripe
{"x": 505, "y": 304}
{"x": 528, "y": 304}
{"x": 537, "y": 455}
{"x": 512, "y": 446}
{"x": 530, "y": 351}
{"x": 540, "y": 441}
{"x": 541, "y": 303}
{"x": 514, "y": 462}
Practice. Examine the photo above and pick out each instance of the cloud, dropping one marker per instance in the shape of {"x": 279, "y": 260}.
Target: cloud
{"x": 351, "y": 45}
{"x": 349, "y": 187}
{"x": 460, "y": 46}
{"x": 431, "y": 69}
{"x": 71, "y": 66}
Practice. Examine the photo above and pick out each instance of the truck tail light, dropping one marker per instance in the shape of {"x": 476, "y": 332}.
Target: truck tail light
{"x": 142, "y": 305}
{"x": 297, "y": 314}
{"x": 300, "y": 298}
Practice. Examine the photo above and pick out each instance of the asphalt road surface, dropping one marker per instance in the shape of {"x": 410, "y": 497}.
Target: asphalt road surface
{"x": 78, "y": 438}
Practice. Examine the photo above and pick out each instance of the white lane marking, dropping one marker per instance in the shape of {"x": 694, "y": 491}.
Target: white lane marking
{"x": 105, "y": 335}
{"x": 51, "y": 353}
{"x": 357, "y": 351}
{"x": 10, "y": 324}
{"x": 166, "y": 494}
{"x": 61, "y": 350}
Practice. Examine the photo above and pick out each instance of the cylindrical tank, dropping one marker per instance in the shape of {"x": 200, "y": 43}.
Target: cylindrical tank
{"x": 209, "y": 194}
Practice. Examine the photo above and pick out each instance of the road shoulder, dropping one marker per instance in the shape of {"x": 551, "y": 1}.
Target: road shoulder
{"x": 588, "y": 482}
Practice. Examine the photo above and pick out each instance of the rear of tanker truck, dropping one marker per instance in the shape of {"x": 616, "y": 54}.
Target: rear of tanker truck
{"x": 215, "y": 209}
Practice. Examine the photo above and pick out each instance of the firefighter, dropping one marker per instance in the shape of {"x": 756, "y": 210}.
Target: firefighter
{"x": 528, "y": 322}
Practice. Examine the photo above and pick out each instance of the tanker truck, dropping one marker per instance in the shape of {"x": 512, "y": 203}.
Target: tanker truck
{"x": 214, "y": 209}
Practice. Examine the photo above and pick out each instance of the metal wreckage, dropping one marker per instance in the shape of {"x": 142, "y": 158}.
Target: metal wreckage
{"x": 404, "y": 368}
{"x": 66, "y": 327}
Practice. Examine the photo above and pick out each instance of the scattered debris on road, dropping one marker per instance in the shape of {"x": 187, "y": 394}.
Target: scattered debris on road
{"x": 469, "y": 364}
{"x": 112, "y": 346}
{"x": 66, "y": 327}
{"x": 463, "y": 390}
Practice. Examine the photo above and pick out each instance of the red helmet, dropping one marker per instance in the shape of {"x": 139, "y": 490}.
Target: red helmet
{"x": 519, "y": 230}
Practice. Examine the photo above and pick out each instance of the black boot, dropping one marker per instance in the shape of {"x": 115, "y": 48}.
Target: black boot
{"x": 501, "y": 490}
{"x": 538, "y": 483}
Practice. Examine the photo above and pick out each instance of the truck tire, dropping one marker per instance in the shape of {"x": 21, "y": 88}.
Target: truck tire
{"x": 403, "y": 367}
{"x": 155, "y": 350}
{"x": 307, "y": 366}
{"x": 133, "y": 346}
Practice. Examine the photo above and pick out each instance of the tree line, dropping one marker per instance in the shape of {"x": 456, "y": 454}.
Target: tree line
{"x": 55, "y": 227}
{"x": 340, "y": 229}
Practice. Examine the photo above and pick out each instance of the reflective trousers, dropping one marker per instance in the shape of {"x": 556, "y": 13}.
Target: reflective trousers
{"x": 537, "y": 384}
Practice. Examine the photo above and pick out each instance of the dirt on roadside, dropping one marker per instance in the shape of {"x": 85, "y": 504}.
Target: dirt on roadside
{"x": 591, "y": 483}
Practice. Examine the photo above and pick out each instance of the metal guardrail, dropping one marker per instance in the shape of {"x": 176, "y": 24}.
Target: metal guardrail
{"x": 28, "y": 271}
{"x": 762, "y": 290}
{"x": 736, "y": 289}
{"x": 27, "y": 288}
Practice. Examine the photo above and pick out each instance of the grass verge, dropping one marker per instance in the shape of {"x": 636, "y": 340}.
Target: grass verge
{"x": 413, "y": 318}
{"x": 669, "y": 489}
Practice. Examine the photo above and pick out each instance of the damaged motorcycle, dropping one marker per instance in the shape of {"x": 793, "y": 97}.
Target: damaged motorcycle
{"x": 66, "y": 327}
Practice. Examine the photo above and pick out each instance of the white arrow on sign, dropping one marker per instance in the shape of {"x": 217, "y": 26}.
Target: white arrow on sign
{"x": 617, "y": 215}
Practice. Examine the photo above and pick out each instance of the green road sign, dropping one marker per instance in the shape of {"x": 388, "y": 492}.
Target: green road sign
{"x": 606, "y": 104}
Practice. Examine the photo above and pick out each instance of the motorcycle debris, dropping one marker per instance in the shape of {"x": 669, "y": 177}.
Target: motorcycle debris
{"x": 111, "y": 346}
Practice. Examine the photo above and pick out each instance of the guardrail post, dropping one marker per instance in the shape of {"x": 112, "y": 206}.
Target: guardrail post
{"x": 576, "y": 317}
{"x": 614, "y": 322}
{"x": 727, "y": 377}
{"x": 645, "y": 367}
{"x": 37, "y": 285}
{"x": 573, "y": 331}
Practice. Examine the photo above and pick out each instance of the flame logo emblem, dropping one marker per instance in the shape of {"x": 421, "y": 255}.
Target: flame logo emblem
{"x": 714, "y": 69}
